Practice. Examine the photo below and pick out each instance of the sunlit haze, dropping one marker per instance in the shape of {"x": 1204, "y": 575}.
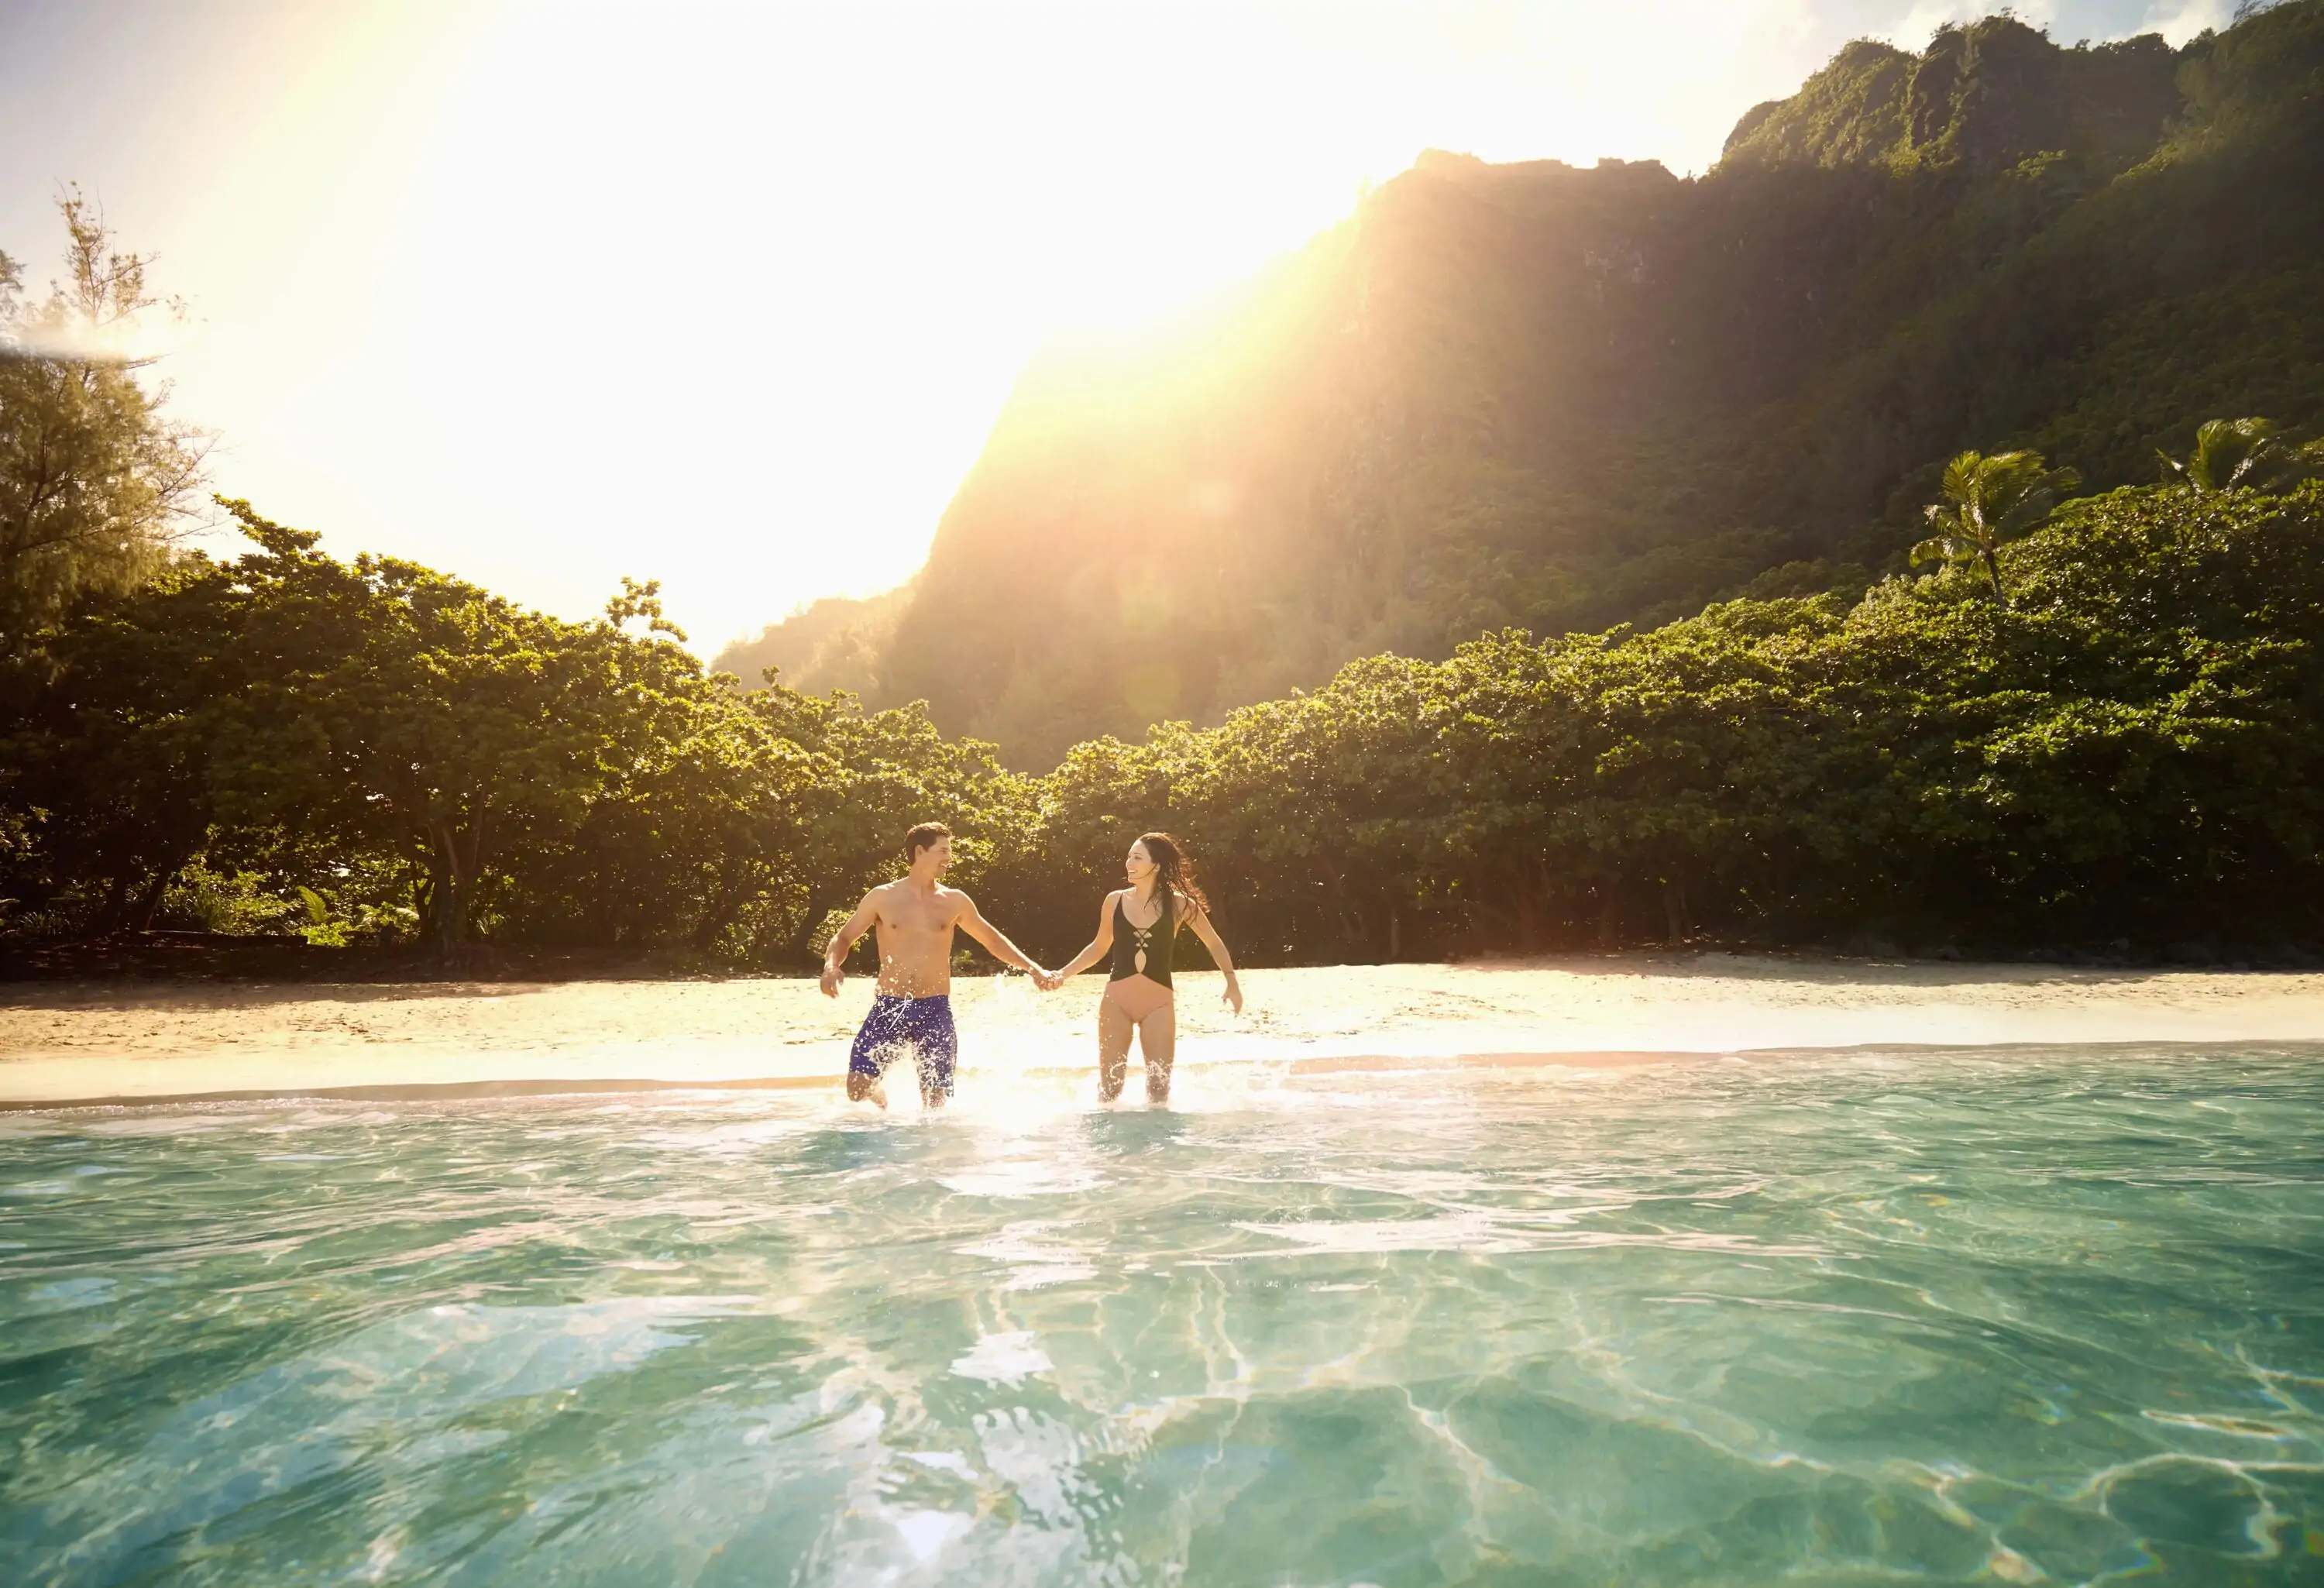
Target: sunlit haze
{"x": 729, "y": 295}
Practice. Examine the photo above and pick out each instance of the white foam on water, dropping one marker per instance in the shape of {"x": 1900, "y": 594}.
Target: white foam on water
{"x": 1003, "y": 1359}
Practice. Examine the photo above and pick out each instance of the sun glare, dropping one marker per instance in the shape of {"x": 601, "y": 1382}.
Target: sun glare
{"x": 729, "y": 295}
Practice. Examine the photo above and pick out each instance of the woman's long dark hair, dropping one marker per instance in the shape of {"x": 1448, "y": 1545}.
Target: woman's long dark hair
{"x": 1173, "y": 869}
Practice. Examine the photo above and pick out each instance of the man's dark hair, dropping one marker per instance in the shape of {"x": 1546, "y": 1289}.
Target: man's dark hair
{"x": 921, "y": 836}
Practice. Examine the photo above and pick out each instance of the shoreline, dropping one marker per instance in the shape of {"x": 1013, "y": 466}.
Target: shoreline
{"x": 114, "y": 1044}
{"x": 171, "y": 960}
{"x": 833, "y": 1083}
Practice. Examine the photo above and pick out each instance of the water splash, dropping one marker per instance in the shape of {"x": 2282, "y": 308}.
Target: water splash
{"x": 2010, "y": 1316}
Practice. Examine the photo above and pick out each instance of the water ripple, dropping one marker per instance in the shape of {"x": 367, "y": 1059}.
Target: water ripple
{"x": 2024, "y": 1316}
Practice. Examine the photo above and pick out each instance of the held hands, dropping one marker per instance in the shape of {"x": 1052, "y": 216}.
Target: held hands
{"x": 1050, "y": 981}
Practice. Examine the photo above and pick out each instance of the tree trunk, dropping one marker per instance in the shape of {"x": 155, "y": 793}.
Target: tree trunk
{"x": 115, "y": 910}
{"x": 1676, "y": 914}
{"x": 1610, "y": 914}
{"x": 149, "y": 904}
{"x": 802, "y": 944}
{"x": 446, "y": 909}
{"x": 714, "y": 921}
{"x": 453, "y": 863}
{"x": 423, "y": 904}
{"x": 1527, "y": 912}
{"x": 1346, "y": 915}
{"x": 725, "y": 904}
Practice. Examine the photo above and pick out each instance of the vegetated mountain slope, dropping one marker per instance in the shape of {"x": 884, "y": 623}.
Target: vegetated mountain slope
{"x": 1534, "y": 395}
{"x": 833, "y": 643}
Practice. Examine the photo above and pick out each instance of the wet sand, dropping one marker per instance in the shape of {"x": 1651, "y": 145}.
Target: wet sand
{"x": 82, "y": 1042}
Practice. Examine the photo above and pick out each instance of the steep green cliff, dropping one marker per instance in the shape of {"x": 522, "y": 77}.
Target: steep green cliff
{"x": 1560, "y": 398}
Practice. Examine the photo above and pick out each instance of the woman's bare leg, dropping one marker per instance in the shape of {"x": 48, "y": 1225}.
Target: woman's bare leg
{"x": 1157, "y": 1038}
{"x": 1113, "y": 1028}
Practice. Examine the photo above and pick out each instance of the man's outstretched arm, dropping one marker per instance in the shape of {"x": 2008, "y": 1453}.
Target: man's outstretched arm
{"x": 996, "y": 942}
{"x": 835, "y": 957}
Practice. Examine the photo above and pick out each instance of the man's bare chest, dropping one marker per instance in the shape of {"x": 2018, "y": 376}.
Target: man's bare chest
{"x": 917, "y": 920}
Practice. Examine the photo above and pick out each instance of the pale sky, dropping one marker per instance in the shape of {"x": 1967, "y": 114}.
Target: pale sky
{"x": 544, "y": 293}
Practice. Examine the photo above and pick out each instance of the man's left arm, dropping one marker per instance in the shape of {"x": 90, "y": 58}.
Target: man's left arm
{"x": 996, "y": 942}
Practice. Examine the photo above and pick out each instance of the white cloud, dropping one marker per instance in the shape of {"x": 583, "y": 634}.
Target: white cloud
{"x": 2181, "y": 21}
{"x": 1927, "y": 16}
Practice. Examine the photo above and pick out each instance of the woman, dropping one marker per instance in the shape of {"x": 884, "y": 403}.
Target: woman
{"x": 1139, "y": 926}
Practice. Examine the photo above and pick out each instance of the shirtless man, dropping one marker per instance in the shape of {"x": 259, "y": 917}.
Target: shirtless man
{"x": 912, "y": 1012}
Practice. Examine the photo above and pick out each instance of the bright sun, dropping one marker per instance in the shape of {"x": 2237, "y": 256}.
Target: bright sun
{"x": 729, "y": 294}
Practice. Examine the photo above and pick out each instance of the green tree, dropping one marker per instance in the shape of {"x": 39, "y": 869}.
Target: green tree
{"x": 1989, "y": 501}
{"x": 2135, "y": 753}
{"x": 686, "y": 841}
{"x": 96, "y": 484}
{"x": 401, "y": 709}
{"x": 2233, "y": 454}
{"x": 105, "y": 743}
{"x": 875, "y": 774}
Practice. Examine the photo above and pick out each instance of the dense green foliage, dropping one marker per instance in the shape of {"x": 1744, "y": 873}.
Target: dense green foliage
{"x": 1501, "y": 401}
{"x": 1532, "y": 394}
{"x": 94, "y": 482}
{"x": 2126, "y": 754}
{"x": 430, "y": 762}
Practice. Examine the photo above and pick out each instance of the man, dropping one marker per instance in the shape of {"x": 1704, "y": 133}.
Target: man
{"x": 912, "y": 1011}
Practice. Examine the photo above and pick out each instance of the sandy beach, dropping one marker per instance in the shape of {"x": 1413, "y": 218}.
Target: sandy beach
{"x": 145, "y": 1042}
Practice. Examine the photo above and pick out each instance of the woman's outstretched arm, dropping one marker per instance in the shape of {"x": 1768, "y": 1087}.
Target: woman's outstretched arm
{"x": 1099, "y": 947}
{"x": 1199, "y": 919}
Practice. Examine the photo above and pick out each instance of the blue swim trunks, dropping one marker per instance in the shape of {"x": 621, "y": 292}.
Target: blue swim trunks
{"x": 920, "y": 1028}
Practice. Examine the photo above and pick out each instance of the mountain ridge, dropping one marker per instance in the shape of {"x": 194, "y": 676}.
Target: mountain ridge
{"x": 1560, "y": 398}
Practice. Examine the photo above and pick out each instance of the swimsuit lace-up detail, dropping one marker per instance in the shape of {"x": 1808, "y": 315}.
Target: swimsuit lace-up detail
{"x": 1143, "y": 951}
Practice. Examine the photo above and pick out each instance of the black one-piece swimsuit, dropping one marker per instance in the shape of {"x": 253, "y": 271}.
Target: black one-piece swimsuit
{"x": 1142, "y": 951}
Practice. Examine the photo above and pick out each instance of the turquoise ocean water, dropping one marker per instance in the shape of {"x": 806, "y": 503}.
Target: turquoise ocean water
{"x": 2026, "y": 1315}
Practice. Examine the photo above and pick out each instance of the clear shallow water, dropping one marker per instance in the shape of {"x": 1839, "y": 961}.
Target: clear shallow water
{"x": 2008, "y": 1316}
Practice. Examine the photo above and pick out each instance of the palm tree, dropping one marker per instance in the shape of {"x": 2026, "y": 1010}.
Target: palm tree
{"x": 1988, "y": 501}
{"x": 2233, "y": 453}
